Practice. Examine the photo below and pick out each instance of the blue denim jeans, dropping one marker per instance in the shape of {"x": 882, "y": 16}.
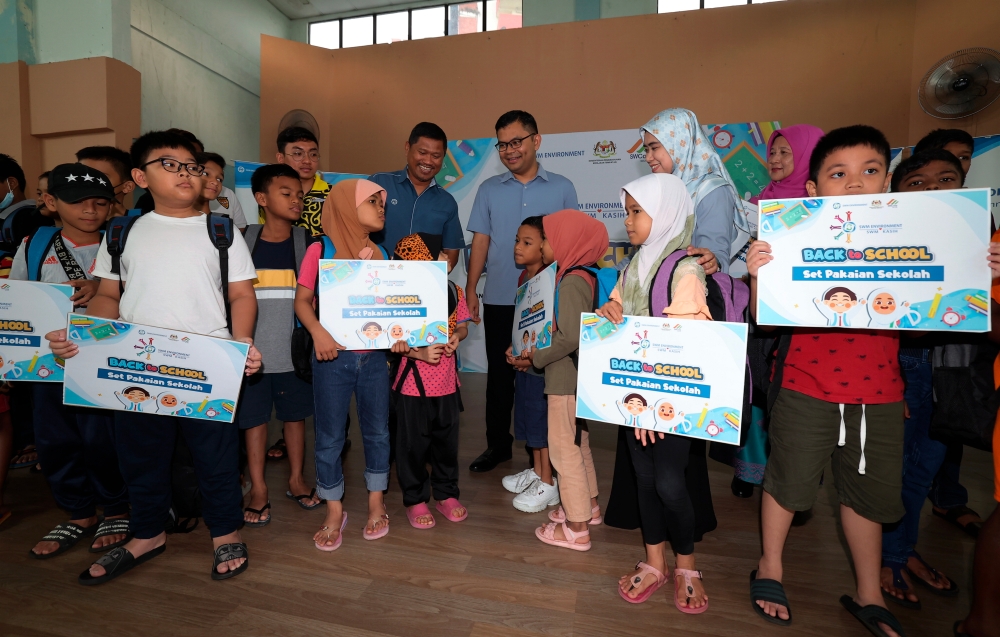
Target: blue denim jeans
{"x": 366, "y": 375}
{"x": 922, "y": 457}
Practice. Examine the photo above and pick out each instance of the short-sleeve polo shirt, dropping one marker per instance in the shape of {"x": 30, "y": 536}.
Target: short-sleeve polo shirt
{"x": 433, "y": 211}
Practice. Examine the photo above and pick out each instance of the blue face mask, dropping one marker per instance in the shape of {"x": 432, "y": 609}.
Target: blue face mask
{"x": 8, "y": 198}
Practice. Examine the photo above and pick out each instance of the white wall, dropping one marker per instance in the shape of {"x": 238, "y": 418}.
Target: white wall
{"x": 200, "y": 65}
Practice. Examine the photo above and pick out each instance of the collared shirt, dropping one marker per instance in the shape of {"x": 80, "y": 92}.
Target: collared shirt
{"x": 312, "y": 207}
{"x": 501, "y": 204}
{"x": 433, "y": 211}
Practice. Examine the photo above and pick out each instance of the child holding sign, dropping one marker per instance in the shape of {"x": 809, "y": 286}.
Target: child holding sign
{"x": 354, "y": 209}
{"x": 75, "y": 446}
{"x": 428, "y": 404}
{"x": 829, "y": 385}
{"x": 660, "y": 220}
{"x": 170, "y": 275}
{"x": 535, "y": 487}
{"x": 573, "y": 239}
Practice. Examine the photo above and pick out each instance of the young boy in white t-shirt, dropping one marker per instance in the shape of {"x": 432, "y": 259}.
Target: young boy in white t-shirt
{"x": 171, "y": 278}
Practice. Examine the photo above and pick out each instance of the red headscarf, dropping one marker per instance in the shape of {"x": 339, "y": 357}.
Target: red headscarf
{"x": 576, "y": 239}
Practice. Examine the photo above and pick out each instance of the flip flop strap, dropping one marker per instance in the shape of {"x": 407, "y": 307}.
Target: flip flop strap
{"x": 113, "y": 559}
{"x": 232, "y": 551}
{"x": 688, "y": 574}
{"x": 768, "y": 590}
{"x": 65, "y": 532}
{"x": 118, "y": 526}
{"x": 259, "y": 511}
{"x": 897, "y": 577}
{"x": 873, "y": 615}
{"x": 645, "y": 569}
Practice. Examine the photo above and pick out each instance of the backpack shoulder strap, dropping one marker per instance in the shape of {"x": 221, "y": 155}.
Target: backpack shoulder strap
{"x": 115, "y": 234}
{"x": 38, "y": 244}
{"x": 220, "y": 231}
{"x": 659, "y": 289}
{"x": 252, "y": 234}
{"x": 7, "y": 228}
{"x": 300, "y": 243}
{"x": 329, "y": 250}
{"x": 410, "y": 366}
{"x": 385, "y": 255}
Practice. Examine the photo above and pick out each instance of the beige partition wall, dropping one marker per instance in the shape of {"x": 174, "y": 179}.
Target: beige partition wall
{"x": 825, "y": 62}
{"x": 56, "y": 109}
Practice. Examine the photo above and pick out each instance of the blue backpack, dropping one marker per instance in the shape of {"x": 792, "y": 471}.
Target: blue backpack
{"x": 220, "y": 232}
{"x": 605, "y": 280}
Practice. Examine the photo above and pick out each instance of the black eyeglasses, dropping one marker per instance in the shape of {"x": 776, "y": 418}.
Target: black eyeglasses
{"x": 513, "y": 144}
{"x": 174, "y": 166}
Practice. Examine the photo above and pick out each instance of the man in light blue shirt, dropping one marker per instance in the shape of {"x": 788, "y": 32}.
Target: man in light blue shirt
{"x": 502, "y": 202}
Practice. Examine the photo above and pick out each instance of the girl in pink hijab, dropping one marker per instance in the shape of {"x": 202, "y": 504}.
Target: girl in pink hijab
{"x": 788, "y": 153}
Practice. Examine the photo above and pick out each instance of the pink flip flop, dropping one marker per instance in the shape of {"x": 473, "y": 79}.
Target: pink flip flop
{"x": 559, "y": 516}
{"x": 547, "y": 534}
{"x": 445, "y": 508}
{"x": 384, "y": 531}
{"x": 688, "y": 574}
{"x": 643, "y": 569}
{"x": 340, "y": 537}
{"x": 417, "y": 510}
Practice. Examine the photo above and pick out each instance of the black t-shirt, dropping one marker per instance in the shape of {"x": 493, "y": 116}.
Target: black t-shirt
{"x": 274, "y": 256}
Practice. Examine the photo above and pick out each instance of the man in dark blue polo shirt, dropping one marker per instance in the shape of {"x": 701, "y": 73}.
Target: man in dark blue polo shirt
{"x": 414, "y": 201}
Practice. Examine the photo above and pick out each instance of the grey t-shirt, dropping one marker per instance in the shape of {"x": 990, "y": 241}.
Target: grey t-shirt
{"x": 275, "y": 291}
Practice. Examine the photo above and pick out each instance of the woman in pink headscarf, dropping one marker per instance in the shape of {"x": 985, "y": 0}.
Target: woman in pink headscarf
{"x": 788, "y": 153}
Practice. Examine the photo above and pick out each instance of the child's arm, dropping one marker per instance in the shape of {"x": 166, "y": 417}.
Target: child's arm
{"x": 613, "y": 309}
{"x": 460, "y": 333}
{"x": 243, "y": 310}
{"x": 324, "y": 344}
{"x": 574, "y": 299}
{"x": 758, "y": 255}
{"x": 103, "y": 305}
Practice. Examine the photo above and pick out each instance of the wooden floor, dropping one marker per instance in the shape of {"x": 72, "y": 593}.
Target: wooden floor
{"x": 485, "y": 577}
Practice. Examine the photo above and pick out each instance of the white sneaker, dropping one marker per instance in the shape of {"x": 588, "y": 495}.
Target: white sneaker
{"x": 519, "y": 481}
{"x": 537, "y": 497}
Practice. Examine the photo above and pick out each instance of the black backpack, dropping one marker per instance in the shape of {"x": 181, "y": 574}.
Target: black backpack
{"x": 966, "y": 399}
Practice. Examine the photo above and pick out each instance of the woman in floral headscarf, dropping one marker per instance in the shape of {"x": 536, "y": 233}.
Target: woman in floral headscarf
{"x": 676, "y": 144}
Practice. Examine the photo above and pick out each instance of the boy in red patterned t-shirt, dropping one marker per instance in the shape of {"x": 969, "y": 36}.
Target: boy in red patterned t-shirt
{"x": 834, "y": 393}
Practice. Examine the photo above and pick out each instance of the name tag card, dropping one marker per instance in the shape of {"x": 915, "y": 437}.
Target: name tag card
{"x": 28, "y": 311}
{"x": 373, "y": 304}
{"x": 913, "y": 261}
{"x": 131, "y": 367}
{"x": 533, "y": 309}
{"x": 673, "y": 376}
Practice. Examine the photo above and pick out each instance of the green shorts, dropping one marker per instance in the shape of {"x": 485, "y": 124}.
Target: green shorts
{"x": 804, "y": 434}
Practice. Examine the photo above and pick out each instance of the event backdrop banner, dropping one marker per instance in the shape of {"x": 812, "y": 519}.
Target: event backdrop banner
{"x": 373, "y": 304}
{"x": 904, "y": 260}
{"x": 670, "y": 375}
{"x": 598, "y": 163}
{"x": 28, "y": 311}
{"x": 244, "y": 170}
{"x": 533, "y": 308}
{"x": 131, "y": 367}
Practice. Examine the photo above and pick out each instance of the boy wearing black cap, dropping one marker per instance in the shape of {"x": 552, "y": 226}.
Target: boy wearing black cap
{"x": 75, "y": 446}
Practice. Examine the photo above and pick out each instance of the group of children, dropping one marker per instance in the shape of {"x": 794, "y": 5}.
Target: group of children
{"x": 833, "y": 393}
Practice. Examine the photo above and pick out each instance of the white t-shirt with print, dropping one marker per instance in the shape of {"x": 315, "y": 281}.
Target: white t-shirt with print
{"x": 172, "y": 277}
{"x": 52, "y": 270}
{"x": 227, "y": 204}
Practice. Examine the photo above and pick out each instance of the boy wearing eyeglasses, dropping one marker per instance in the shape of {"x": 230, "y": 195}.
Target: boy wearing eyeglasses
{"x": 170, "y": 277}
{"x": 299, "y": 148}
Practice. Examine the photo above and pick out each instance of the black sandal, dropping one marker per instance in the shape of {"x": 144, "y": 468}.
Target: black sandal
{"x": 117, "y": 526}
{"x": 769, "y": 590}
{"x": 226, "y": 552}
{"x": 952, "y": 515}
{"x": 117, "y": 562}
{"x": 66, "y": 535}
{"x": 278, "y": 446}
{"x": 299, "y": 498}
{"x": 871, "y": 616}
{"x": 952, "y": 589}
{"x": 899, "y": 583}
{"x": 261, "y": 521}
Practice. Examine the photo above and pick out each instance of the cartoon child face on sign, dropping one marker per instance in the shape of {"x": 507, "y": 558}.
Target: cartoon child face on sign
{"x": 396, "y": 332}
{"x": 372, "y": 330}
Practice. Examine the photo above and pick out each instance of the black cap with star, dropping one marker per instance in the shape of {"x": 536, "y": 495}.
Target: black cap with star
{"x": 76, "y": 182}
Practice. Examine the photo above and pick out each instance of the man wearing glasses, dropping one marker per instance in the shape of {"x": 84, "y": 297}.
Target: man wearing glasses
{"x": 299, "y": 148}
{"x": 502, "y": 202}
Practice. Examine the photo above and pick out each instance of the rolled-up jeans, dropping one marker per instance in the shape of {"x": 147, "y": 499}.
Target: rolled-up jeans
{"x": 366, "y": 375}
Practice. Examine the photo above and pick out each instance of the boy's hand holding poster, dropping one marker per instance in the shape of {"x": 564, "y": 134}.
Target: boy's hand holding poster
{"x": 130, "y": 367}
{"x": 533, "y": 308}
{"x": 28, "y": 311}
{"x": 892, "y": 261}
{"x": 670, "y": 375}
{"x": 373, "y": 304}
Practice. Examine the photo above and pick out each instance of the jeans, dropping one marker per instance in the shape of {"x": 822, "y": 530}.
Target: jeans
{"x": 665, "y": 506}
{"x": 145, "y": 444}
{"x": 76, "y": 448}
{"x": 499, "y": 376}
{"x": 366, "y": 375}
{"x": 922, "y": 457}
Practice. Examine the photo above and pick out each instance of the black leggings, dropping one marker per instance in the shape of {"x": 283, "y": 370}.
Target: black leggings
{"x": 664, "y": 503}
